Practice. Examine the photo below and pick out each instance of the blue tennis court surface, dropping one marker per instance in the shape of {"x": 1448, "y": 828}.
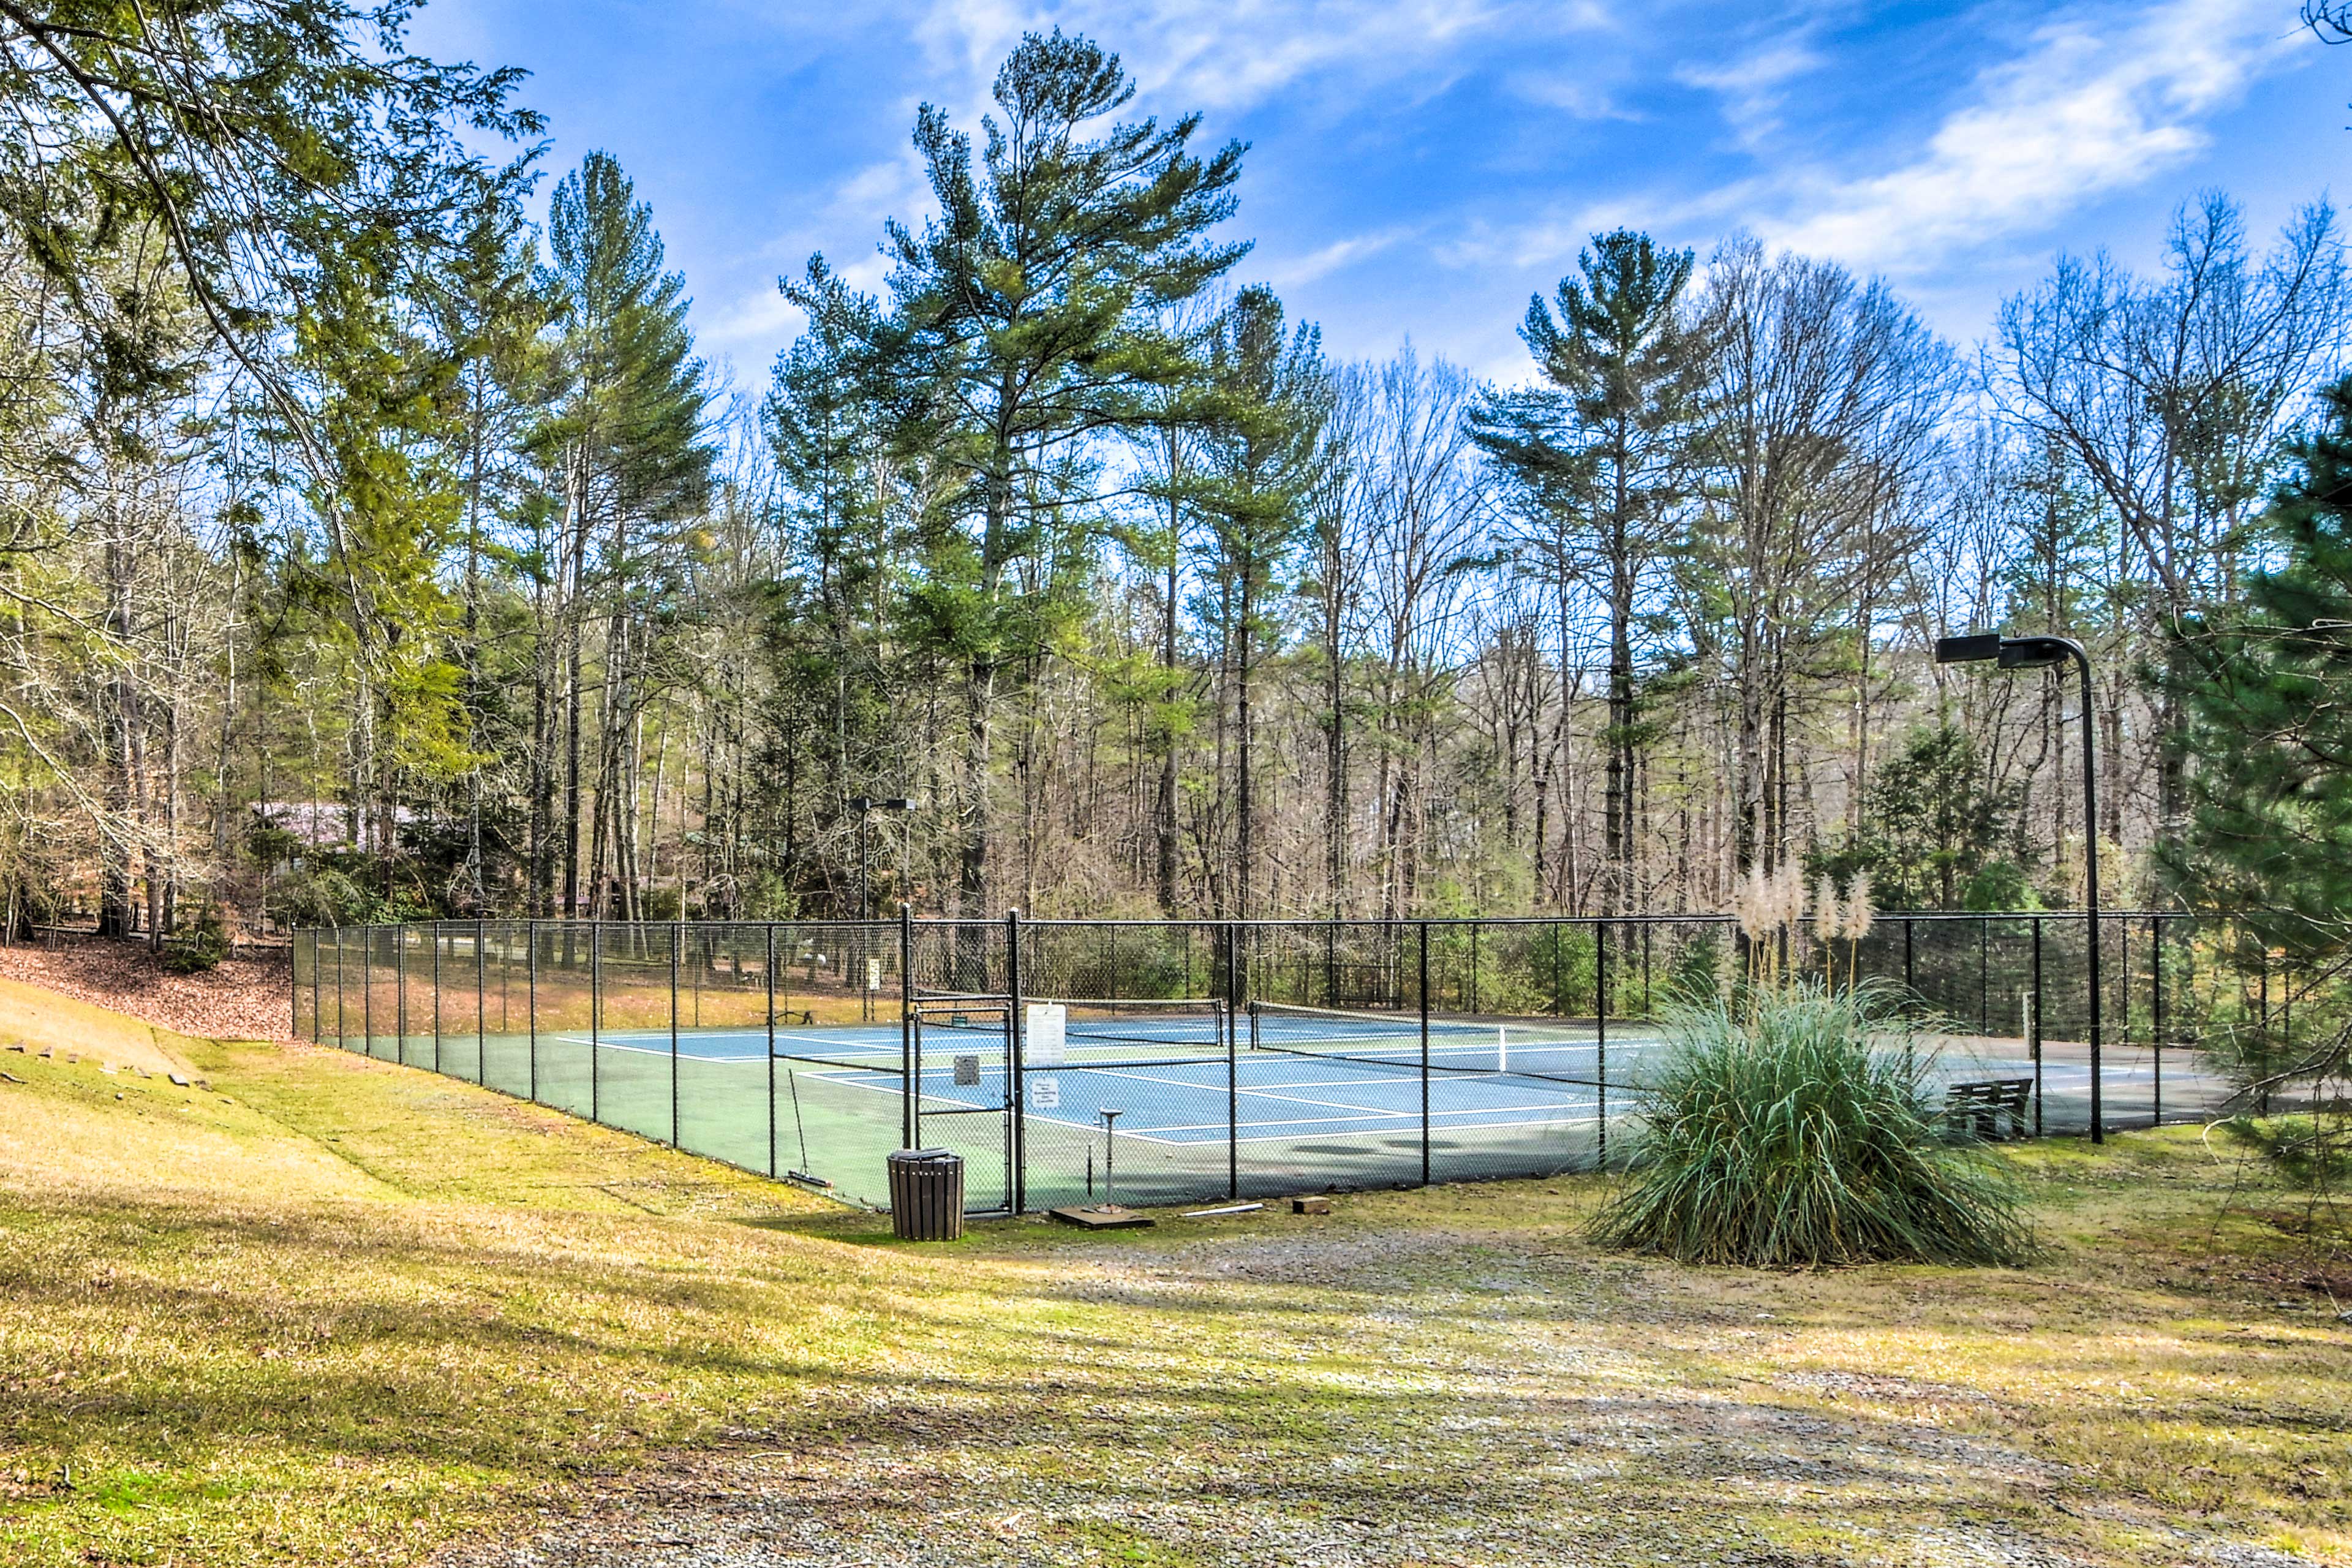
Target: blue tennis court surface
{"x": 1275, "y": 1094}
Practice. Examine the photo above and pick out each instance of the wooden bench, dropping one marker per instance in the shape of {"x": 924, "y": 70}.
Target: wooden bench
{"x": 1974, "y": 1109}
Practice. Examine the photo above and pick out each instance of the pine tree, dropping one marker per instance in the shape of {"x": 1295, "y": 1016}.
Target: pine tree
{"x": 260, "y": 140}
{"x": 632, "y": 468}
{"x": 1599, "y": 452}
{"x": 1259, "y": 452}
{"x": 2267, "y": 694}
{"x": 1023, "y": 319}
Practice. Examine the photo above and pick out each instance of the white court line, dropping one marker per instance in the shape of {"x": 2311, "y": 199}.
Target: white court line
{"x": 887, "y": 1058}
{"x": 1435, "y": 1117}
{"x": 1249, "y": 1135}
{"x": 1352, "y": 1112}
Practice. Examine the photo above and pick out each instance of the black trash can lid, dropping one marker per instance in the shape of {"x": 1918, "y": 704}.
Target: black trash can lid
{"x": 910, "y": 1156}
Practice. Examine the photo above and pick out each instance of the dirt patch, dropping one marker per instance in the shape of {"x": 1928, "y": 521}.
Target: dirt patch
{"x": 245, "y": 999}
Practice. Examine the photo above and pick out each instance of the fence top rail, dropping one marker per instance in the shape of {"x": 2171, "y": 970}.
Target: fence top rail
{"x": 1401, "y": 922}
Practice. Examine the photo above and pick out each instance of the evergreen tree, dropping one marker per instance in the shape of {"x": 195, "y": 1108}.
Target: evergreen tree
{"x": 1934, "y": 829}
{"x": 1259, "y": 454}
{"x": 829, "y": 613}
{"x": 259, "y": 138}
{"x": 1024, "y": 319}
{"x": 1602, "y": 446}
{"x": 631, "y": 469}
{"x": 2266, "y": 690}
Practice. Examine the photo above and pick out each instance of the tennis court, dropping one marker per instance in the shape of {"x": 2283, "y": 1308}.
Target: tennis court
{"x": 1186, "y": 1062}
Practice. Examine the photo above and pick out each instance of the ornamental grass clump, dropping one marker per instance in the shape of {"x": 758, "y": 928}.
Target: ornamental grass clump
{"x": 1791, "y": 1129}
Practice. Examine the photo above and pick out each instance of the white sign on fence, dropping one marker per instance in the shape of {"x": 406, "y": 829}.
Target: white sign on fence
{"x": 1044, "y": 1094}
{"x": 1045, "y": 1035}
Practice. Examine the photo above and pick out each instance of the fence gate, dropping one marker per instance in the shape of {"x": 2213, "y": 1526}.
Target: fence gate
{"x": 963, "y": 1087}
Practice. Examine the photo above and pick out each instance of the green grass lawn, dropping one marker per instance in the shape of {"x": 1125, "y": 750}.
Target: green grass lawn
{"x": 325, "y": 1309}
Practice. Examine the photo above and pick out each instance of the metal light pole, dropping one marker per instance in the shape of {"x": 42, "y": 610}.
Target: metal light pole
{"x": 2046, "y": 653}
{"x": 864, "y": 806}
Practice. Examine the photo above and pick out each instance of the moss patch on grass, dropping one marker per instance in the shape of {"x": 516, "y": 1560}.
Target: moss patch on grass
{"x": 335, "y": 1311}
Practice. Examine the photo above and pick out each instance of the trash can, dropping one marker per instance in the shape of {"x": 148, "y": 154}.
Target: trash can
{"x": 927, "y": 1194}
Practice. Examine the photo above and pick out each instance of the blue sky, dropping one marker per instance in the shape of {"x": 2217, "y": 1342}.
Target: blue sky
{"x": 1418, "y": 168}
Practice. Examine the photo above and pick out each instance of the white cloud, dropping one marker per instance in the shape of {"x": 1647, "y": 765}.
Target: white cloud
{"x": 1753, "y": 87}
{"x": 1228, "y": 57}
{"x": 1333, "y": 257}
{"x": 761, "y": 317}
{"x": 2098, "y": 103}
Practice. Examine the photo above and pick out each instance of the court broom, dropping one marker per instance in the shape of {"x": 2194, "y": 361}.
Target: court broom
{"x": 792, "y": 1082}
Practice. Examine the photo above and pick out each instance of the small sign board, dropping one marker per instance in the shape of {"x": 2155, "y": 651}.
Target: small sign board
{"x": 1044, "y": 1094}
{"x": 874, "y": 975}
{"x": 967, "y": 1069}
{"x": 1045, "y": 1035}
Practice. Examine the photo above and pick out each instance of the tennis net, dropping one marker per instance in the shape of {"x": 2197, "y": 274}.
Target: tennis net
{"x": 1080, "y": 1031}
{"x": 1391, "y": 1042}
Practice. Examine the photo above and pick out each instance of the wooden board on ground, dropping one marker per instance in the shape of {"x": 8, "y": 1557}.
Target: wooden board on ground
{"x": 1110, "y": 1218}
{"x": 1310, "y": 1205}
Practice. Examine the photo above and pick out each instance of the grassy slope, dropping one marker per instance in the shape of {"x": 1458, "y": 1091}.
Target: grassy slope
{"x": 39, "y": 1018}
{"x": 335, "y": 1311}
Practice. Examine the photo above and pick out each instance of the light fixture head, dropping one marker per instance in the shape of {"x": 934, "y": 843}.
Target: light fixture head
{"x": 1972, "y": 649}
{"x": 2012, "y": 653}
{"x": 2033, "y": 653}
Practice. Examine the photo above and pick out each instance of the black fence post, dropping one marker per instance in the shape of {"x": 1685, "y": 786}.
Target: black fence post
{"x": 908, "y": 1085}
{"x": 2091, "y": 933}
{"x": 400, "y": 993}
{"x": 367, "y": 987}
{"x": 1016, "y": 1147}
{"x": 531, "y": 996}
{"x": 1984, "y": 975}
{"x": 1425, "y": 1053}
{"x": 595, "y": 1019}
{"x": 1232, "y": 1110}
{"x": 1559, "y": 974}
{"x": 1474, "y": 966}
{"x": 1601, "y": 1036}
{"x": 1910, "y": 983}
{"x": 768, "y": 980}
{"x": 1233, "y": 1094}
{"x": 1331, "y": 961}
{"x": 341, "y": 1037}
{"x": 482, "y": 1003}
{"x": 433, "y": 934}
{"x": 2123, "y": 968}
{"x": 2033, "y": 1024}
{"x": 2156, "y": 1010}
{"x": 677, "y": 944}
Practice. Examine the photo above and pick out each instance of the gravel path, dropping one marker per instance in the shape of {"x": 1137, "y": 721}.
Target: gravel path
{"x": 1529, "y": 1427}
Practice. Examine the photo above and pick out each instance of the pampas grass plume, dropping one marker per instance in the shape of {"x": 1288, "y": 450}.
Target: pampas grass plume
{"x": 1859, "y": 909}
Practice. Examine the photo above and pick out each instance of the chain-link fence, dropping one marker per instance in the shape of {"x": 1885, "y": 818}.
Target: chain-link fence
{"x": 1176, "y": 1061}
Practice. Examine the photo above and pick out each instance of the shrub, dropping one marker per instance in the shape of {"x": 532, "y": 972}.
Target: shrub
{"x": 198, "y": 946}
{"x": 1776, "y": 1135}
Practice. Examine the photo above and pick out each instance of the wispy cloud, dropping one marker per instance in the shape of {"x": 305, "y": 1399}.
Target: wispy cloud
{"x": 2097, "y": 103}
{"x": 1754, "y": 86}
{"x": 1226, "y": 57}
{"x": 1287, "y": 273}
